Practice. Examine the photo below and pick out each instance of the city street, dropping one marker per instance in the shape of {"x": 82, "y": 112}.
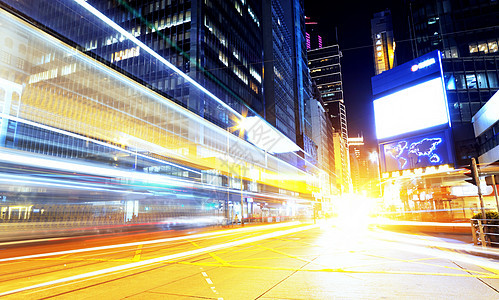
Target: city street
{"x": 279, "y": 261}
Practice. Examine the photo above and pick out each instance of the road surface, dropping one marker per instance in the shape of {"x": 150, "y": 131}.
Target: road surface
{"x": 280, "y": 261}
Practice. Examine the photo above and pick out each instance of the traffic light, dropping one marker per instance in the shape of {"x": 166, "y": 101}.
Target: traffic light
{"x": 473, "y": 174}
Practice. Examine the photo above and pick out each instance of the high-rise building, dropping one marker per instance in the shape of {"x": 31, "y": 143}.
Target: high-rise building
{"x": 278, "y": 69}
{"x": 467, "y": 36}
{"x": 383, "y": 41}
{"x": 325, "y": 70}
{"x": 323, "y": 137}
{"x": 218, "y": 45}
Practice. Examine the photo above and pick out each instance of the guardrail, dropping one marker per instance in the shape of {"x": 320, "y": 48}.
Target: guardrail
{"x": 485, "y": 232}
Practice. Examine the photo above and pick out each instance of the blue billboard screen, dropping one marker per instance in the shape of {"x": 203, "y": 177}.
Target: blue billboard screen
{"x": 416, "y": 152}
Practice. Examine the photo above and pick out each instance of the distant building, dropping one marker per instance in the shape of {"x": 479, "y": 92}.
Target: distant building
{"x": 358, "y": 162}
{"x": 383, "y": 42}
{"x": 323, "y": 136}
{"x": 325, "y": 70}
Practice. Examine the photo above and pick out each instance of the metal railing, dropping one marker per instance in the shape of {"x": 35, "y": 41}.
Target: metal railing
{"x": 485, "y": 232}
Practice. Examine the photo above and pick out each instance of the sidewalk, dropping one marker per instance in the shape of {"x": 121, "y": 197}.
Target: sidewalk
{"x": 458, "y": 235}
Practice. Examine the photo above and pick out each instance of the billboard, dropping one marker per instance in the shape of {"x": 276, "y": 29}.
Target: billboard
{"x": 414, "y": 152}
{"x": 412, "y": 109}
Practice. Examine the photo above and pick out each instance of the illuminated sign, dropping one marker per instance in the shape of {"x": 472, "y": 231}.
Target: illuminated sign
{"x": 416, "y": 152}
{"x": 423, "y": 64}
{"x": 415, "y": 108}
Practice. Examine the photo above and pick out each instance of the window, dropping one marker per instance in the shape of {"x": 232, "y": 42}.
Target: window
{"x": 473, "y": 48}
{"x": 482, "y": 47}
{"x": 471, "y": 81}
{"x": 482, "y": 80}
{"x": 492, "y": 77}
{"x": 8, "y": 43}
{"x": 493, "y": 46}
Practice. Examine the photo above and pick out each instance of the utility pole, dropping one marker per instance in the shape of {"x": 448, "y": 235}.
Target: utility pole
{"x": 474, "y": 172}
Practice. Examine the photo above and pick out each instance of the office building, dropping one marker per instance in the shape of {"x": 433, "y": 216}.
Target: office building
{"x": 467, "y": 36}
{"x": 325, "y": 70}
{"x": 278, "y": 69}
{"x": 323, "y": 136}
{"x": 383, "y": 42}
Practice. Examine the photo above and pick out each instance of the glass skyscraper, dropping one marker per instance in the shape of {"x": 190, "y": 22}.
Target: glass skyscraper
{"x": 467, "y": 35}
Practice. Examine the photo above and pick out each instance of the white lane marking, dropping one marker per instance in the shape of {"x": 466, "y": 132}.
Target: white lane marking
{"x": 209, "y": 281}
{"x": 164, "y": 258}
{"x": 204, "y": 274}
{"x": 201, "y": 235}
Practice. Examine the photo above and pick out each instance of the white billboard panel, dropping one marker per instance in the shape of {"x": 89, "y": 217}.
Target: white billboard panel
{"x": 418, "y": 107}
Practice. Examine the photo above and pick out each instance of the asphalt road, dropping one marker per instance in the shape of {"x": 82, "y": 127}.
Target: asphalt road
{"x": 283, "y": 261}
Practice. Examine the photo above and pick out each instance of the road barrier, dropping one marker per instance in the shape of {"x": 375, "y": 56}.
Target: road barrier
{"x": 485, "y": 232}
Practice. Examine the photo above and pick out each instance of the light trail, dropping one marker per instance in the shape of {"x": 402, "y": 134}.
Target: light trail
{"x": 162, "y": 259}
{"x": 195, "y": 236}
{"x": 87, "y": 139}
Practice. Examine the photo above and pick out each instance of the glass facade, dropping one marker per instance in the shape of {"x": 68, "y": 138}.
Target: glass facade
{"x": 212, "y": 42}
{"x": 279, "y": 93}
{"x": 466, "y": 34}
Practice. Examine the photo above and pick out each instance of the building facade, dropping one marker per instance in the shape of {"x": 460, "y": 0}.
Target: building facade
{"x": 218, "y": 45}
{"x": 278, "y": 70}
{"x": 383, "y": 42}
{"x": 467, "y": 36}
{"x": 325, "y": 70}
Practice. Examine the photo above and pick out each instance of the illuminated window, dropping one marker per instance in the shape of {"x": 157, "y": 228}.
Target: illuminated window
{"x": 493, "y": 46}
{"x": 235, "y": 53}
{"x": 254, "y": 87}
{"x": 255, "y": 75}
{"x": 125, "y": 54}
{"x": 473, "y": 48}
{"x": 482, "y": 47}
{"x": 223, "y": 58}
{"x": 238, "y": 8}
{"x": 253, "y": 16}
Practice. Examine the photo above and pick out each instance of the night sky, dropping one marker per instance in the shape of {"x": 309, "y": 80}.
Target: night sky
{"x": 353, "y": 22}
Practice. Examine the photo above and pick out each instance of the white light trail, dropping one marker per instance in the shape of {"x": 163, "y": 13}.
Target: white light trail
{"x": 165, "y": 240}
{"x": 162, "y": 259}
{"x": 84, "y": 138}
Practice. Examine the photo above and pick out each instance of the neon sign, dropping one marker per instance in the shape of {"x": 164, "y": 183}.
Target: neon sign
{"x": 423, "y": 64}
